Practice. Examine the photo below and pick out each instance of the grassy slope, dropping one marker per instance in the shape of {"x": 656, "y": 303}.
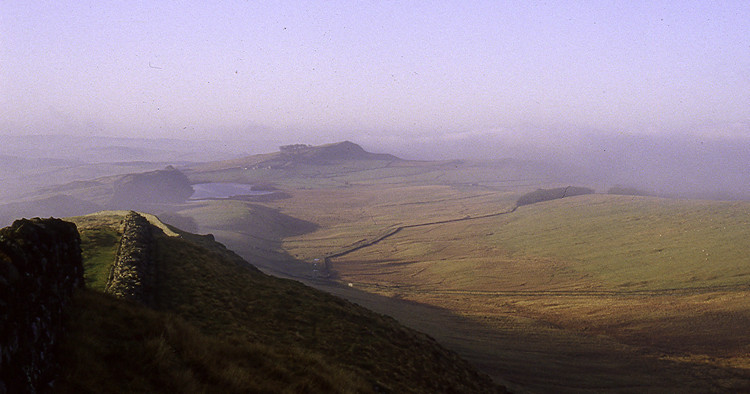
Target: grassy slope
{"x": 637, "y": 242}
{"x": 580, "y": 268}
{"x": 214, "y": 289}
{"x": 100, "y": 236}
{"x": 553, "y": 288}
{"x": 118, "y": 347}
{"x": 269, "y": 334}
{"x": 591, "y": 242}
{"x": 346, "y": 216}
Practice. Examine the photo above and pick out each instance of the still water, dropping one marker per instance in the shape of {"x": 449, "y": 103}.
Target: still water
{"x": 205, "y": 191}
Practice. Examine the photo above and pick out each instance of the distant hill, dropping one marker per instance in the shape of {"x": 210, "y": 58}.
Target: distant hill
{"x": 162, "y": 186}
{"x": 220, "y": 325}
{"x": 55, "y": 205}
{"x": 324, "y": 153}
{"x": 627, "y": 191}
{"x": 290, "y": 156}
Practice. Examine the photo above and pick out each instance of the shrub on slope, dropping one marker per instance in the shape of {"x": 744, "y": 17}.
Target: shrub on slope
{"x": 541, "y": 195}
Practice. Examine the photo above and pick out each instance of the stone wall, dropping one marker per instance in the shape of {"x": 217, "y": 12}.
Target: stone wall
{"x": 133, "y": 274}
{"x": 40, "y": 266}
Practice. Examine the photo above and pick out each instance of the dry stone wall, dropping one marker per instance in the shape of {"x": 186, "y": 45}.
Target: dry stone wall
{"x": 40, "y": 267}
{"x": 133, "y": 274}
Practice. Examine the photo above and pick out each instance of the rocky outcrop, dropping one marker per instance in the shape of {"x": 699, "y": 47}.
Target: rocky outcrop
{"x": 169, "y": 185}
{"x": 323, "y": 154}
{"x": 133, "y": 274}
{"x": 40, "y": 266}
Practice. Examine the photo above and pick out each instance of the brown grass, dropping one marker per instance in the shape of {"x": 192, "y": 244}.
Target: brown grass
{"x": 223, "y": 326}
{"x": 118, "y": 347}
{"x": 550, "y": 288}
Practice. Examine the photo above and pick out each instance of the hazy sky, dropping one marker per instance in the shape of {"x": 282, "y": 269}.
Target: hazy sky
{"x": 320, "y": 71}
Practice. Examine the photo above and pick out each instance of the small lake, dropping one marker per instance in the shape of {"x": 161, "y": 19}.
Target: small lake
{"x": 204, "y": 191}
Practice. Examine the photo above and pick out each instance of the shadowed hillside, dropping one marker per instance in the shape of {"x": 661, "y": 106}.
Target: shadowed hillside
{"x": 220, "y": 323}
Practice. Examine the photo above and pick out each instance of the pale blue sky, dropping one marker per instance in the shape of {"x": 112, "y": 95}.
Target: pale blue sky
{"x": 322, "y": 71}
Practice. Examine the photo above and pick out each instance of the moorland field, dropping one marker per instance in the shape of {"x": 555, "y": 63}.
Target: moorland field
{"x": 217, "y": 324}
{"x": 586, "y": 293}
{"x": 593, "y": 292}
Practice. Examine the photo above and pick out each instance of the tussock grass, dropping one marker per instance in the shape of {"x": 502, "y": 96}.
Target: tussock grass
{"x": 589, "y": 273}
{"x": 220, "y": 325}
{"x": 119, "y": 347}
{"x": 637, "y": 242}
{"x": 214, "y": 289}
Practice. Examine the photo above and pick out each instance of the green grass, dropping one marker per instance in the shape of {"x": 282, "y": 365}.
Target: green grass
{"x": 636, "y": 242}
{"x": 118, "y": 347}
{"x": 487, "y": 277}
{"x": 100, "y": 236}
{"x": 215, "y": 290}
{"x": 220, "y": 325}
{"x": 347, "y": 216}
{"x": 565, "y": 271}
{"x": 599, "y": 241}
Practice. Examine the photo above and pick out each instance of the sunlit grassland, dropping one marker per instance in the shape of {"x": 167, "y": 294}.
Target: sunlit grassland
{"x": 313, "y": 222}
{"x": 347, "y": 216}
{"x": 636, "y": 242}
{"x": 668, "y": 277}
{"x": 585, "y": 293}
{"x": 616, "y": 243}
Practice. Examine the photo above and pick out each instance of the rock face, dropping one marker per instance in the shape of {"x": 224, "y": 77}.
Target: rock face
{"x": 133, "y": 274}
{"x": 40, "y": 266}
{"x": 163, "y": 186}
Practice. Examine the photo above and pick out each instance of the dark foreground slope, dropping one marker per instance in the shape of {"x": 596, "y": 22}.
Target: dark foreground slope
{"x": 220, "y": 325}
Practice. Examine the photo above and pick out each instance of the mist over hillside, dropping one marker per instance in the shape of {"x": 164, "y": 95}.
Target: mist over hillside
{"x": 676, "y": 165}
{"x": 683, "y": 166}
{"x": 30, "y": 163}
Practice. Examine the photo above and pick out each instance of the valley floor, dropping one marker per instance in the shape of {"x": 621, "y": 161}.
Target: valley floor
{"x": 594, "y": 293}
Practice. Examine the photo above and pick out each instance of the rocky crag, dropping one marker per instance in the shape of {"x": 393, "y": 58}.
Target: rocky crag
{"x": 144, "y": 189}
{"x": 133, "y": 274}
{"x": 40, "y": 266}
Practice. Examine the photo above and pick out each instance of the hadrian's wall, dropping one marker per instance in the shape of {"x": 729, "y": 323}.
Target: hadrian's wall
{"x": 133, "y": 274}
